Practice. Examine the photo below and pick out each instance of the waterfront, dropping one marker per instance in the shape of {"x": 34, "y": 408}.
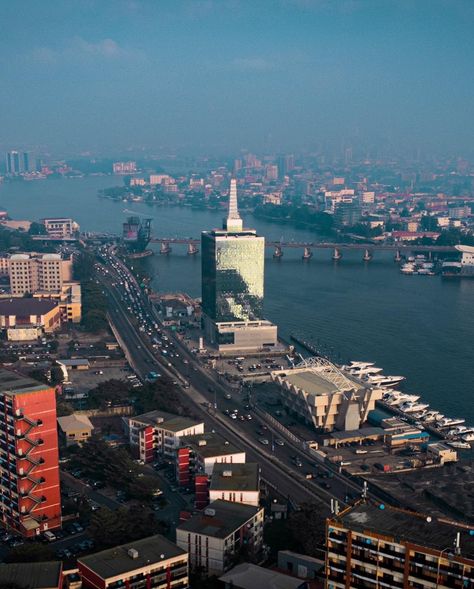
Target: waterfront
{"x": 418, "y": 326}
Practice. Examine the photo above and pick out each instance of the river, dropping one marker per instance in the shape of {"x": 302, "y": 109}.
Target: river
{"x": 419, "y": 326}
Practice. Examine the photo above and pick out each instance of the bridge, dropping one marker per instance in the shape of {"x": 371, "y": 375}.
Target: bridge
{"x": 308, "y": 246}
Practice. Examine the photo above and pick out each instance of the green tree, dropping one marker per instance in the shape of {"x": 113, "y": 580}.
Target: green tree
{"x": 37, "y": 229}
{"x": 30, "y": 553}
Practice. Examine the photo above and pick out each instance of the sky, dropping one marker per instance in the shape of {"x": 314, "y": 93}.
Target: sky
{"x": 222, "y": 75}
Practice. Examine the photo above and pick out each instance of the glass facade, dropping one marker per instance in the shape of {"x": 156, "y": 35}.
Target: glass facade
{"x": 232, "y": 275}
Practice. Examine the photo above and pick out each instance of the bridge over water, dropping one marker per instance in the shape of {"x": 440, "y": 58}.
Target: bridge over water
{"x": 307, "y": 247}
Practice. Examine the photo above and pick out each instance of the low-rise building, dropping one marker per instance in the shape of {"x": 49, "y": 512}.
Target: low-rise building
{"x": 159, "y": 433}
{"x": 199, "y": 453}
{"x": 321, "y": 395}
{"x": 60, "y": 227}
{"x": 237, "y": 482}
{"x": 250, "y": 576}
{"x": 152, "y": 562}
{"x": 26, "y": 319}
{"x": 300, "y": 565}
{"x": 75, "y": 428}
{"x": 371, "y": 545}
{"x": 215, "y": 536}
{"x": 34, "y": 575}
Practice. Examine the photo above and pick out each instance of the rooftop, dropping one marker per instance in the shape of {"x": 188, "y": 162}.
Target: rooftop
{"x": 209, "y": 444}
{"x": 235, "y": 477}
{"x": 23, "y": 306}
{"x": 74, "y": 422}
{"x": 312, "y": 383}
{"x": 116, "y": 561}
{"x": 249, "y": 576}
{"x": 220, "y": 519}
{"x": 12, "y": 383}
{"x": 34, "y": 575}
{"x": 404, "y": 525}
{"x": 167, "y": 421}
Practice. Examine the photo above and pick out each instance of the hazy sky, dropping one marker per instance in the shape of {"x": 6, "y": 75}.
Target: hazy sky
{"x": 224, "y": 74}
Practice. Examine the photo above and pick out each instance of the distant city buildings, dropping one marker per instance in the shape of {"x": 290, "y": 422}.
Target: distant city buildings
{"x": 17, "y": 163}
{"x": 129, "y": 167}
{"x": 232, "y": 285}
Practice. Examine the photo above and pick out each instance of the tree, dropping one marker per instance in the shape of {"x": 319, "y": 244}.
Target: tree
{"x": 57, "y": 375}
{"x": 37, "y": 229}
{"x": 307, "y": 526}
{"x": 30, "y": 553}
{"x": 429, "y": 223}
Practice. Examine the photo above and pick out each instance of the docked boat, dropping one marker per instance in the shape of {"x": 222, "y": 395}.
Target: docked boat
{"x": 397, "y": 398}
{"x": 459, "y": 445}
{"x": 409, "y": 407}
{"x": 431, "y": 416}
{"x": 354, "y": 364}
{"x": 408, "y": 268}
{"x": 384, "y": 381}
{"x": 460, "y": 431}
{"x": 449, "y": 422}
{"x": 468, "y": 437}
{"x": 360, "y": 372}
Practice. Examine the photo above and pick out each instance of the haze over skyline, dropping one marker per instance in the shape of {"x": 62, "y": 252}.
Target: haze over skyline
{"x": 220, "y": 75}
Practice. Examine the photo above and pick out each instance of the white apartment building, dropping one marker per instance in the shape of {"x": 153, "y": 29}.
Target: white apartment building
{"x": 30, "y": 273}
{"x": 239, "y": 483}
{"x": 207, "y": 449}
{"x": 158, "y": 432}
{"x": 214, "y": 536}
{"x": 60, "y": 227}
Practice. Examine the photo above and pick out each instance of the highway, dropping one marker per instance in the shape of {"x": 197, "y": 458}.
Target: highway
{"x": 176, "y": 362}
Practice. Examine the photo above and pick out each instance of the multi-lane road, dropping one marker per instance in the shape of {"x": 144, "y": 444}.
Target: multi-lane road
{"x": 133, "y": 320}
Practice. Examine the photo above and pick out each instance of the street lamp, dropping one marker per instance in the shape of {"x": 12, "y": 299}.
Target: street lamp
{"x": 450, "y": 555}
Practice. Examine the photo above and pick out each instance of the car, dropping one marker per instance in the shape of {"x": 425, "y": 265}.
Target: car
{"x": 263, "y": 441}
{"x": 233, "y": 415}
{"x": 249, "y": 417}
{"x": 228, "y": 396}
{"x": 279, "y": 442}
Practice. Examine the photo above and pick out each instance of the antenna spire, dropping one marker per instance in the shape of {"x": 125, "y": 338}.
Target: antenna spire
{"x": 233, "y": 222}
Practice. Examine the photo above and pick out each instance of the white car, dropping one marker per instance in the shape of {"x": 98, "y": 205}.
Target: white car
{"x": 263, "y": 441}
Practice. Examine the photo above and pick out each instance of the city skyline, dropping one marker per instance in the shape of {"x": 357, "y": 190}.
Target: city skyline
{"x": 286, "y": 75}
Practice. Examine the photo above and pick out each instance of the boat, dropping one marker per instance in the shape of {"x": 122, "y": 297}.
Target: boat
{"x": 397, "y": 398}
{"x": 460, "y": 430}
{"x": 449, "y": 422}
{"x": 419, "y": 415}
{"x": 365, "y": 371}
{"x": 410, "y": 407}
{"x": 354, "y": 364}
{"x": 468, "y": 437}
{"x": 384, "y": 381}
{"x": 459, "y": 445}
{"x": 408, "y": 268}
{"x": 431, "y": 416}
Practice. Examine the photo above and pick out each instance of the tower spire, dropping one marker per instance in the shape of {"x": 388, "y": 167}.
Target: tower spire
{"x": 233, "y": 222}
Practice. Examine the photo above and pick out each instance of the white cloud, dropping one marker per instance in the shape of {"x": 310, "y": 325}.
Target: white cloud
{"x": 80, "y": 49}
{"x": 252, "y": 63}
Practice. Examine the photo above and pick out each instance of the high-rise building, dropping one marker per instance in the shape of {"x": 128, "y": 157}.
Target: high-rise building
{"x": 376, "y": 546}
{"x": 19, "y": 162}
{"x": 124, "y": 167}
{"x": 30, "y": 500}
{"x": 232, "y": 284}
{"x": 31, "y": 273}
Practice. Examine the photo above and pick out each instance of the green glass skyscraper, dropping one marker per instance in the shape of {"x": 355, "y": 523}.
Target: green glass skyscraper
{"x": 232, "y": 277}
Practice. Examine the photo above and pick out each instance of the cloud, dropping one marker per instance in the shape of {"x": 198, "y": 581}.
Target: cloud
{"x": 256, "y": 64}
{"x": 80, "y": 49}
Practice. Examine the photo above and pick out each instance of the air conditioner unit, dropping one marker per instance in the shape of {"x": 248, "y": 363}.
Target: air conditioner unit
{"x": 132, "y": 553}
{"x": 209, "y": 512}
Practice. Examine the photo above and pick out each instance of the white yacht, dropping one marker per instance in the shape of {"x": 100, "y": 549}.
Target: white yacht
{"x": 459, "y": 445}
{"x": 397, "y": 398}
{"x": 410, "y": 407}
{"x": 384, "y": 381}
{"x": 449, "y": 422}
{"x": 432, "y": 416}
{"x": 459, "y": 431}
{"x": 468, "y": 437}
{"x": 369, "y": 370}
{"x": 357, "y": 365}
{"x": 409, "y": 268}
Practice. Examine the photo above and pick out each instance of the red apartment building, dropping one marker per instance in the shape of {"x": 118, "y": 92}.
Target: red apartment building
{"x": 30, "y": 501}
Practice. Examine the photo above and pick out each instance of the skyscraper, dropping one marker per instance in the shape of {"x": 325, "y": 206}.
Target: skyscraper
{"x": 30, "y": 500}
{"x": 19, "y": 163}
{"x": 232, "y": 283}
